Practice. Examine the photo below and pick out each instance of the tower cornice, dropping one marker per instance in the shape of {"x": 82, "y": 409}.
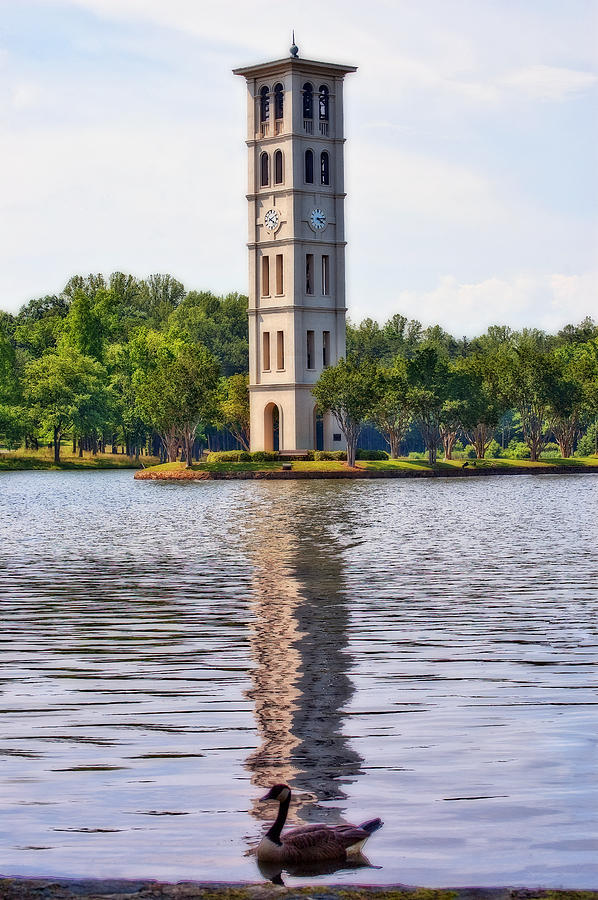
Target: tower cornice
{"x": 290, "y": 63}
{"x": 288, "y": 135}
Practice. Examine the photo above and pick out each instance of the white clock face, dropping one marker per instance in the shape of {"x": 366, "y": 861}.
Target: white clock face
{"x": 271, "y": 220}
{"x": 317, "y": 218}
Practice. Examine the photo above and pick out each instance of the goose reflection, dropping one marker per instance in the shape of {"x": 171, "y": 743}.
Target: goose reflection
{"x": 274, "y": 871}
{"x": 298, "y": 643}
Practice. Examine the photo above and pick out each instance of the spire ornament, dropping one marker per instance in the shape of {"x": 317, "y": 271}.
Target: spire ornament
{"x": 294, "y": 49}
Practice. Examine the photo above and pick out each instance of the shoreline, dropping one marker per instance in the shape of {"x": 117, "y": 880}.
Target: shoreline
{"x": 25, "y": 888}
{"x": 182, "y": 474}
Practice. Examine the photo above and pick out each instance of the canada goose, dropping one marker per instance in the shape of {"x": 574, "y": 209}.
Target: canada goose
{"x": 310, "y": 842}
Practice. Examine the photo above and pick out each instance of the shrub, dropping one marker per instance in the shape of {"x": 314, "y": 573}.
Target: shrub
{"x": 517, "y": 450}
{"x": 263, "y": 455}
{"x": 550, "y": 451}
{"x": 322, "y": 455}
{"x": 310, "y": 455}
{"x": 371, "y": 454}
{"x": 417, "y": 454}
{"x": 494, "y": 450}
{"x": 216, "y": 456}
{"x": 469, "y": 452}
{"x": 586, "y": 445}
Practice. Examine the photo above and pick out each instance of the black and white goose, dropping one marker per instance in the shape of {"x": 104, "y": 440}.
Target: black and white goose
{"x": 310, "y": 843}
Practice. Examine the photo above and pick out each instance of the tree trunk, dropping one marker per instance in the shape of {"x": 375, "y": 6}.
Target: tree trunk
{"x": 57, "y": 436}
{"x": 449, "y": 438}
{"x": 74, "y": 444}
{"x": 394, "y": 441}
{"x": 351, "y": 451}
{"x": 480, "y": 437}
{"x": 565, "y": 432}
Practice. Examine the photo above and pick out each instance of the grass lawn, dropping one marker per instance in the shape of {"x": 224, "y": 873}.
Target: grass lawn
{"x": 404, "y": 464}
{"x": 20, "y": 460}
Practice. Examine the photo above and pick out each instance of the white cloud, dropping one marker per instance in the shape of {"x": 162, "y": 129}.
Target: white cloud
{"x": 395, "y": 183}
{"x": 24, "y": 95}
{"x": 546, "y": 83}
{"x": 547, "y": 302}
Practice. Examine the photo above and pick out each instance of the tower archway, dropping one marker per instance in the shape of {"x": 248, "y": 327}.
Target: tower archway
{"x": 272, "y": 426}
{"x": 318, "y": 429}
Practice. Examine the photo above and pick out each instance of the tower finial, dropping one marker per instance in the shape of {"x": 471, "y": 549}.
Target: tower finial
{"x": 294, "y": 48}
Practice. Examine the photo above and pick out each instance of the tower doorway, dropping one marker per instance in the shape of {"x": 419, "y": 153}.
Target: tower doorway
{"x": 318, "y": 430}
{"x": 271, "y": 427}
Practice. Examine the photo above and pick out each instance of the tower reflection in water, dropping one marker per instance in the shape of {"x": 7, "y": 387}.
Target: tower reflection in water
{"x": 298, "y": 643}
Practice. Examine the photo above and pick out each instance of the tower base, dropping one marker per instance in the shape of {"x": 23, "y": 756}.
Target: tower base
{"x": 284, "y": 418}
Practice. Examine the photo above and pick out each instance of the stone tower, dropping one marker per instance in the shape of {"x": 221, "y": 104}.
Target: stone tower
{"x": 296, "y": 246}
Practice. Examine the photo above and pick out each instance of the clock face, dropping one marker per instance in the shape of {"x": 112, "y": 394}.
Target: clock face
{"x": 272, "y": 219}
{"x": 317, "y": 219}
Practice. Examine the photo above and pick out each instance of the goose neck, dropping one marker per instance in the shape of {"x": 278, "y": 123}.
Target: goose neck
{"x": 275, "y": 830}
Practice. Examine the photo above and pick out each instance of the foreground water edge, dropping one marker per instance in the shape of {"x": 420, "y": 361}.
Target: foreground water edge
{"x": 423, "y": 651}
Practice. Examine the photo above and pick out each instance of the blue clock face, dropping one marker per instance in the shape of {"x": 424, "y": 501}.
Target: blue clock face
{"x": 317, "y": 219}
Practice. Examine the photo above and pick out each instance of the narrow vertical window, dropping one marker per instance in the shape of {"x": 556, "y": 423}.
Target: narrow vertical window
{"x": 309, "y": 166}
{"x": 325, "y": 348}
{"x": 325, "y": 274}
{"x": 308, "y": 101}
{"x": 309, "y": 273}
{"x": 279, "y": 274}
{"x": 278, "y": 101}
{"x": 311, "y": 362}
{"x": 324, "y": 103}
{"x": 280, "y": 349}
{"x": 264, "y": 104}
{"x": 264, "y": 170}
{"x": 266, "y": 351}
{"x": 265, "y": 276}
{"x": 278, "y": 167}
{"x": 324, "y": 167}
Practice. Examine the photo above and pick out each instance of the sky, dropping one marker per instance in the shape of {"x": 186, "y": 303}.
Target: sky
{"x": 472, "y": 128}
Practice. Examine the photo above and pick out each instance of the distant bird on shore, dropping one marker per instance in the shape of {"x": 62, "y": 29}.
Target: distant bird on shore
{"x": 310, "y": 843}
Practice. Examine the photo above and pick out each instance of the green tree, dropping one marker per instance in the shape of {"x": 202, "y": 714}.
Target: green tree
{"x": 482, "y": 407}
{"x": 233, "y": 408}
{"x": 176, "y": 387}
{"x": 82, "y": 327}
{"x": 391, "y": 412}
{"x": 574, "y": 400}
{"x": 12, "y": 416}
{"x": 219, "y": 323}
{"x": 61, "y": 388}
{"x": 429, "y": 380}
{"x": 348, "y": 390}
{"x": 528, "y": 382}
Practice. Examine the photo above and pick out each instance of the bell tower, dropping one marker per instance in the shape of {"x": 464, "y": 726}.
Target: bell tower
{"x": 296, "y": 246}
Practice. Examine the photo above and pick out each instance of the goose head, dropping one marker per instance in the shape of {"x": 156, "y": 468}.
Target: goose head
{"x": 280, "y": 792}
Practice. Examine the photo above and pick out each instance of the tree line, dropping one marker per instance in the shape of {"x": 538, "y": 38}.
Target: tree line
{"x": 399, "y": 375}
{"x": 145, "y": 364}
{"x": 124, "y": 362}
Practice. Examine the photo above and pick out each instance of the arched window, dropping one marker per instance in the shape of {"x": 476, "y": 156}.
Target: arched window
{"x": 324, "y": 98}
{"x": 308, "y": 100}
{"x": 324, "y": 168}
{"x": 278, "y": 167}
{"x": 278, "y": 101}
{"x": 264, "y": 104}
{"x": 264, "y": 170}
{"x": 309, "y": 166}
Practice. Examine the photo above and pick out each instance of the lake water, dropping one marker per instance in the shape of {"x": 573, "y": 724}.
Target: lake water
{"x": 421, "y": 650}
